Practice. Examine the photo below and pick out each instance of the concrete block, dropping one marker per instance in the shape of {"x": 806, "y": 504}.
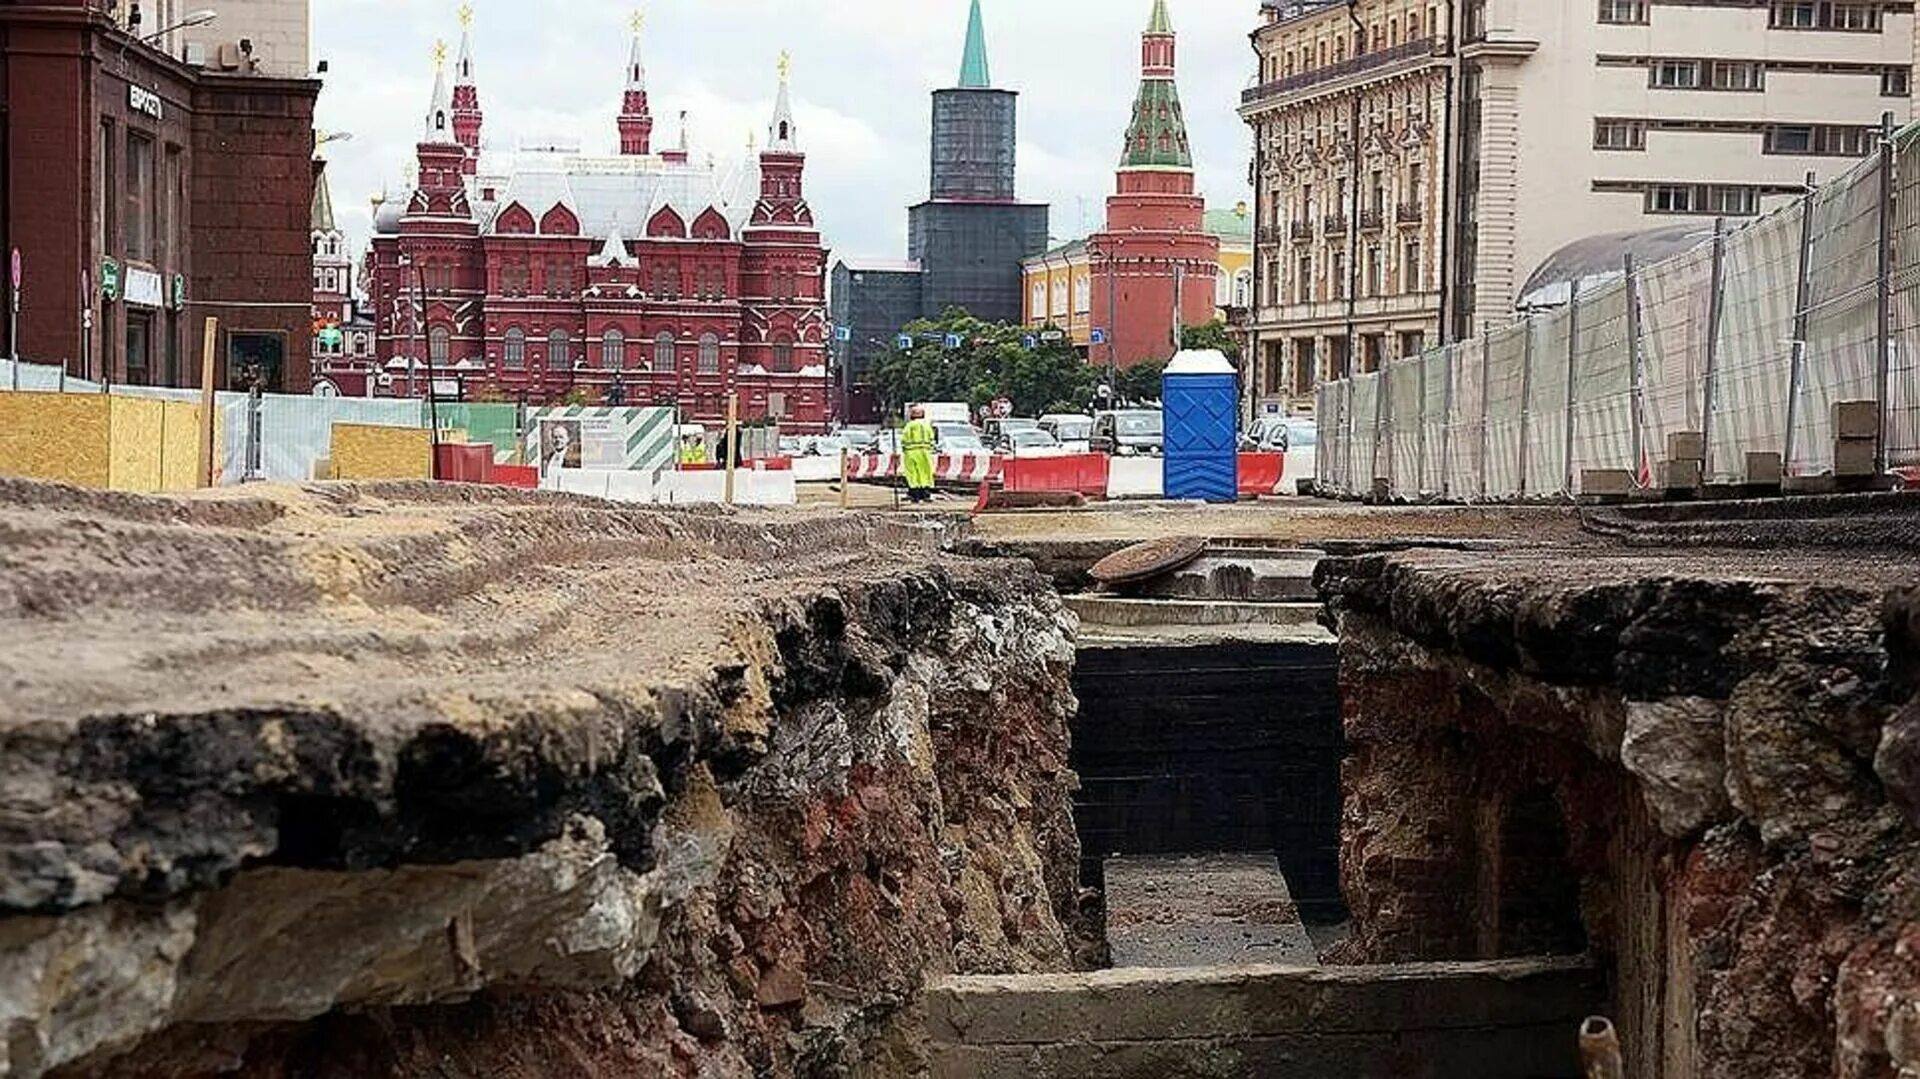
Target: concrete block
{"x": 1680, "y": 475}
{"x": 1686, "y": 446}
{"x": 1606, "y": 483}
{"x": 1764, "y": 470}
{"x": 1856, "y": 419}
{"x": 1855, "y": 457}
{"x": 1259, "y": 1001}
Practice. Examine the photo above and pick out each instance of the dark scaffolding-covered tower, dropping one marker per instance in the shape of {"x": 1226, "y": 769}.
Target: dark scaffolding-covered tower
{"x": 971, "y": 233}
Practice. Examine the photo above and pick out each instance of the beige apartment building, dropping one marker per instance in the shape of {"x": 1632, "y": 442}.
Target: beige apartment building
{"x": 269, "y": 37}
{"x": 1415, "y": 160}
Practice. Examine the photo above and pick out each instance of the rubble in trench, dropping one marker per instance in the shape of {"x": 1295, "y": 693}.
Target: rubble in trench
{"x": 429, "y": 781}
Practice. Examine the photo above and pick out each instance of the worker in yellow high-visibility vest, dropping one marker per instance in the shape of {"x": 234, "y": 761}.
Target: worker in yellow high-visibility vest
{"x": 916, "y": 448}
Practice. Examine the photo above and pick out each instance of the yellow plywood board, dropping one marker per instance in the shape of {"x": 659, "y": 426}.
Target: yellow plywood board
{"x": 363, "y": 452}
{"x": 136, "y": 444}
{"x": 54, "y": 436}
{"x": 180, "y": 446}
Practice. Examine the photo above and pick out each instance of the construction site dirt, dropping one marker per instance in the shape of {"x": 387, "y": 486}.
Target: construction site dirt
{"x": 404, "y": 780}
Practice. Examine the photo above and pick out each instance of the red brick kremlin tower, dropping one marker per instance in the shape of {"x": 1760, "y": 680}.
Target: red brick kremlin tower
{"x": 549, "y": 274}
{"x": 1154, "y": 246}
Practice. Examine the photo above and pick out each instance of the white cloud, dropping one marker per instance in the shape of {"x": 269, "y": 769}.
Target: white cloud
{"x": 862, "y": 70}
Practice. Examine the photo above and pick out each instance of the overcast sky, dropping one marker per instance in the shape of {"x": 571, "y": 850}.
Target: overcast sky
{"x": 862, "y": 70}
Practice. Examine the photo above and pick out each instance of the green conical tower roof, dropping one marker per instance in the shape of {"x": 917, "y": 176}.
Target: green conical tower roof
{"x": 1157, "y": 136}
{"x": 973, "y": 64}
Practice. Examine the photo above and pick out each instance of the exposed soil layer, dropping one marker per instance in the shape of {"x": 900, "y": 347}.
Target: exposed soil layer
{"x": 410, "y": 780}
{"x": 1698, "y": 763}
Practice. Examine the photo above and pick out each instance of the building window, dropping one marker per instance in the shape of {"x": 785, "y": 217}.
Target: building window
{"x": 1733, "y": 200}
{"x": 1338, "y": 286}
{"x": 613, "y": 350}
{"x": 514, "y": 354}
{"x": 1374, "y": 271}
{"x": 1737, "y": 75}
{"x": 1896, "y": 82}
{"x": 1824, "y": 15}
{"x": 1619, "y": 134}
{"x": 1082, "y": 294}
{"x": 559, "y": 278}
{"x": 782, "y": 355}
{"x": 1676, "y": 75}
{"x": 1243, "y": 288}
{"x": 1629, "y": 12}
{"x": 1672, "y": 199}
{"x": 1303, "y": 282}
{"x": 663, "y": 361}
{"x": 1415, "y": 193}
{"x": 1037, "y": 302}
{"x": 1412, "y": 343}
{"x": 439, "y": 344}
{"x": 1798, "y": 15}
{"x": 710, "y": 354}
{"x": 559, "y": 351}
{"x": 514, "y": 279}
{"x": 1412, "y": 272}
{"x": 138, "y": 242}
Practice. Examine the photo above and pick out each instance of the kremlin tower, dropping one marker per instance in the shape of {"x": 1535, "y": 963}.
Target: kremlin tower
{"x": 1154, "y": 265}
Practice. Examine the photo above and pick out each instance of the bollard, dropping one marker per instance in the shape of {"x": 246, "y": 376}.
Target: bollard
{"x": 1600, "y": 1050}
{"x": 846, "y": 485}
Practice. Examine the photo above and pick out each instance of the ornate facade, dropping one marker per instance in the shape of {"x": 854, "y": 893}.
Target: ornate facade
{"x": 1349, "y": 123}
{"x": 551, "y": 274}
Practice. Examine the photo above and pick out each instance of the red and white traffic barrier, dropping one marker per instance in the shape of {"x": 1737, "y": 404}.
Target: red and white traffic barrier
{"x": 947, "y": 467}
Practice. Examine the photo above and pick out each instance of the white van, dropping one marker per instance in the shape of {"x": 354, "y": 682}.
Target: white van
{"x": 944, "y": 412}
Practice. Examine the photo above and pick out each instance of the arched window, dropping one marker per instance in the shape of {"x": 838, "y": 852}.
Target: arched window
{"x": 783, "y": 131}
{"x": 439, "y": 121}
{"x": 663, "y": 352}
{"x": 613, "y": 350}
{"x": 782, "y": 354}
{"x": 514, "y": 355}
{"x": 439, "y": 344}
{"x": 1243, "y": 289}
{"x": 709, "y": 354}
{"x": 559, "y": 351}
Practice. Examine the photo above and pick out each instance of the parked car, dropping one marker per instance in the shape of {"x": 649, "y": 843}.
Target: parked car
{"x": 1071, "y": 429}
{"x": 1128, "y": 433}
{"x": 1269, "y": 434}
{"x": 1032, "y": 443}
{"x": 826, "y": 445}
{"x": 1303, "y": 444}
{"x": 957, "y": 438}
{"x": 996, "y": 432}
{"x": 859, "y": 439}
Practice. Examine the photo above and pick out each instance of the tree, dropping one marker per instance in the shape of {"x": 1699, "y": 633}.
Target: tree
{"x": 1141, "y": 382}
{"x": 989, "y": 361}
{"x": 1213, "y": 335}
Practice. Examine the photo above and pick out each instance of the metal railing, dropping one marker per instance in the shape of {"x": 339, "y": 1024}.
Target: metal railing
{"x": 1744, "y": 345}
{"x": 1420, "y": 48}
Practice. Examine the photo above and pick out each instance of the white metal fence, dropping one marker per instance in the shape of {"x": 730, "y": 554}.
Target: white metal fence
{"x": 1749, "y": 339}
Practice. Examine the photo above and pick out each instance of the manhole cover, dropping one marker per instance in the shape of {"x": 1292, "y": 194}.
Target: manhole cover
{"x": 1144, "y": 561}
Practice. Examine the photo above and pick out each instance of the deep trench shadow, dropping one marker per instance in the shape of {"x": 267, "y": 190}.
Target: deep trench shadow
{"x": 1232, "y": 747}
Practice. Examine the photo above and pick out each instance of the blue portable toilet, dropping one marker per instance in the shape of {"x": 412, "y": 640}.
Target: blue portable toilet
{"x": 1201, "y": 397}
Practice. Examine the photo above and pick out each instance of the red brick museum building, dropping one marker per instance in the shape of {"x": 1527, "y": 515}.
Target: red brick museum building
{"x": 547, "y": 272}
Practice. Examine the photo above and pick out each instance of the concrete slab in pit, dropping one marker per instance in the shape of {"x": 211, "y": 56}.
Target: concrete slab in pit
{"x": 1202, "y": 910}
{"x": 1263, "y": 575}
{"x": 1111, "y": 619}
